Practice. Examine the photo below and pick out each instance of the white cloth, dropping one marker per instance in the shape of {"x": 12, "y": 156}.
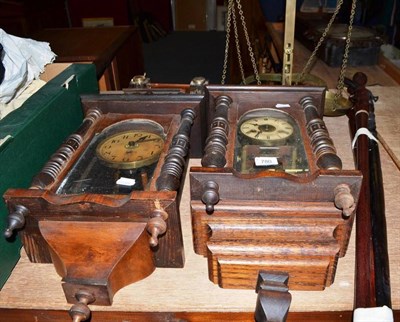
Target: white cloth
{"x": 373, "y": 314}
{"x": 17, "y": 102}
{"x": 23, "y": 59}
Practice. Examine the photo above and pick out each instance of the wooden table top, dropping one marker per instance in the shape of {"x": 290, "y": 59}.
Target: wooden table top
{"x": 37, "y": 286}
{"x": 96, "y": 45}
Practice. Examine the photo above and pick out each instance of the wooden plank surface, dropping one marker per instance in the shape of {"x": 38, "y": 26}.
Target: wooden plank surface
{"x": 37, "y": 286}
{"x": 388, "y": 124}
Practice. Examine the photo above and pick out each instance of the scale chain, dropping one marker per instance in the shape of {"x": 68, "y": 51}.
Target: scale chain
{"x": 237, "y": 43}
{"x": 228, "y": 31}
{"x": 340, "y": 84}
{"x": 231, "y": 17}
{"x": 307, "y": 67}
{"x": 246, "y": 34}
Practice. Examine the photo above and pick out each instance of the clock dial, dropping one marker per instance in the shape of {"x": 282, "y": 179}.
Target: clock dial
{"x": 267, "y": 129}
{"x": 269, "y": 140}
{"x": 130, "y": 149}
{"x": 119, "y": 159}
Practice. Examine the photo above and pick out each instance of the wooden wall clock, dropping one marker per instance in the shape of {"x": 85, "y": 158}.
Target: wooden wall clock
{"x": 271, "y": 194}
{"x": 105, "y": 208}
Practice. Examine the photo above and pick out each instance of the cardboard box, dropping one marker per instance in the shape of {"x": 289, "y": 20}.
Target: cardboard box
{"x": 53, "y": 70}
{"x": 30, "y": 134}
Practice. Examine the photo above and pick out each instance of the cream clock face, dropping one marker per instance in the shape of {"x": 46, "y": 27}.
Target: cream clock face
{"x": 130, "y": 149}
{"x": 267, "y": 130}
{"x": 119, "y": 159}
{"x": 269, "y": 140}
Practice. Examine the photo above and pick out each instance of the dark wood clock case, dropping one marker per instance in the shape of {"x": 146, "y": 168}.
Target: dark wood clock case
{"x": 100, "y": 242}
{"x": 283, "y": 220}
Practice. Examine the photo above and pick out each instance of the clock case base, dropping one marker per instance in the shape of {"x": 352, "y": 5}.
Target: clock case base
{"x": 269, "y": 222}
{"x": 100, "y": 243}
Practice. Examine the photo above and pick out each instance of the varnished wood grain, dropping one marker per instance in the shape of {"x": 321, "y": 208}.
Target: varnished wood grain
{"x": 365, "y": 266}
{"x": 11, "y": 315}
{"x": 111, "y": 254}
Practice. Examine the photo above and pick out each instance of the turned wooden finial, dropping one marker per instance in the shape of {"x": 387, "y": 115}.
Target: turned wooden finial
{"x": 210, "y": 195}
{"x": 344, "y": 199}
{"x": 175, "y": 160}
{"x": 157, "y": 226}
{"x": 321, "y": 142}
{"x": 80, "y": 311}
{"x": 16, "y": 220}
{"x": 217, "y": 140}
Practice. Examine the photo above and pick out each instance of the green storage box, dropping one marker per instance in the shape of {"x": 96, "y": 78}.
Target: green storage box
{"x": 32, "y": 133}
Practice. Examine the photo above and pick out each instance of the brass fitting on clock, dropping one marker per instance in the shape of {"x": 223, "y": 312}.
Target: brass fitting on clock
{"x": 157, "y": 226}
{"x": 139, "y": 81}
{"x": 344, "y": 199}
{"x": 197, "y": 85}
{"x": 16, "y": 220}
{"x": 210, "y": 195}
{"x": 80, "y": 311}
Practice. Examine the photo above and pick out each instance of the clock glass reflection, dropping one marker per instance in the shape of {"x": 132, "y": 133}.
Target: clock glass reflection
{"x": 269, "y": 140}
{"x": 119, "y": 160}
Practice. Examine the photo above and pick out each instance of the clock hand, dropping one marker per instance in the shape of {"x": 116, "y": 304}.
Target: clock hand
{"x": 142, "y": 139}
{"x": 251, "y": 131}
{"x": 149, "y": 140}
{"x": 132, "y": 143}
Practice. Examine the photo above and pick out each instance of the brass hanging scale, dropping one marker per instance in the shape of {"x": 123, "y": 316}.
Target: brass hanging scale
{"x": 335, "y": 103}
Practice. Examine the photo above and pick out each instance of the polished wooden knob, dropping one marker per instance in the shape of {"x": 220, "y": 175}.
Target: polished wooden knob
{"x": 344, "y": 199}
{"x": 80, "y": 311}
{"x": 16, "y": 220}
{"x": 210, "y": 195}
{"x": 157, "y": 226}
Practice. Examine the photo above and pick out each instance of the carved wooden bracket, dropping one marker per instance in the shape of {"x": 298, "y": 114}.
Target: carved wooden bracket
{"x": 80, "y": 257}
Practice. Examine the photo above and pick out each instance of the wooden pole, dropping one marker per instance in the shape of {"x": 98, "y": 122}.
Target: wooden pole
{"x": 372, "y": 281}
